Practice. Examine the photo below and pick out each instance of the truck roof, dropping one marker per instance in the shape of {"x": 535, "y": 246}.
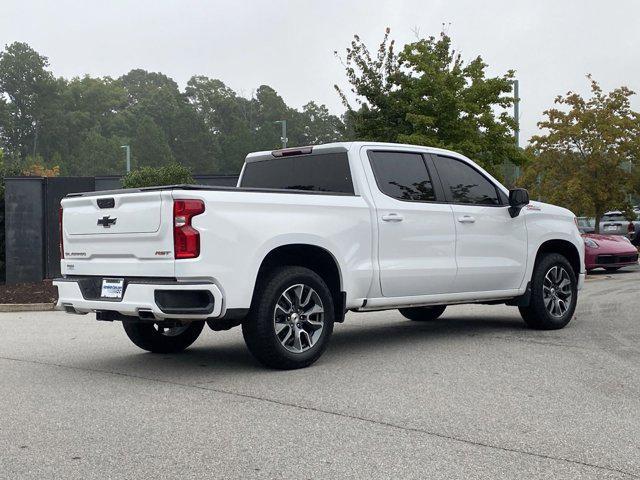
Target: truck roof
{"x": 336, "y": 147}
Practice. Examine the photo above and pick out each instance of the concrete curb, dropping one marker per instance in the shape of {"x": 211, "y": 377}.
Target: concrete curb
{"x": 26, "y": 307}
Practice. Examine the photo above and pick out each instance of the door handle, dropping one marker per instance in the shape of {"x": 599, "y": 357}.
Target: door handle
{"x": 466, "y": 219}
{"x": 392, "y": 217}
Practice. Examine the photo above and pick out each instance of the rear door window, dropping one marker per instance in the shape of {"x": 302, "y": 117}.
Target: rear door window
{"x": 324, "y": 172}
{"x": 402, "y": 175}
{"x": 464, "y": 184}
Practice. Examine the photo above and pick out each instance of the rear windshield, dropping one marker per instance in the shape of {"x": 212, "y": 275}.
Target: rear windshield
{"x": 613, "y": 217}
{"x": 325, "y": 172}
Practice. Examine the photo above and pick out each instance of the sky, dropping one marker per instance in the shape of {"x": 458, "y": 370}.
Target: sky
{"x": 290, "y": 44}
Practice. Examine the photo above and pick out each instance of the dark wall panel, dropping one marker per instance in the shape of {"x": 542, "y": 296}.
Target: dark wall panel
{"x": 24, "y": 229}
{"x": 31, "y": 223}
{"x": 108, "y": 183}
{"x": 217, "y": 180}
{"x": 55, "y": 190}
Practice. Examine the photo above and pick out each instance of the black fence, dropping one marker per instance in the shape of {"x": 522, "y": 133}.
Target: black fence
{"x": 31, "y": 220}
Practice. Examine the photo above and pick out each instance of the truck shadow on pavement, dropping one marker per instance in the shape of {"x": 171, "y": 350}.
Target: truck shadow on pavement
{"x": 403, "y": 333}
{"x": 363, "y": 340}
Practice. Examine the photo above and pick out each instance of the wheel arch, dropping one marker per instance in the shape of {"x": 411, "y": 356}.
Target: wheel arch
{"x": 315, "y": 258}
{"x": 564, "y": 248}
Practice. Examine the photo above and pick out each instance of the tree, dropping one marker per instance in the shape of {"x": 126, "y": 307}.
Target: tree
{"x": 35, "y": 168}
{"x": 156, "y": 96}
{"x": 6, "y": 122}
{"x": 29, "y": 94}
{"x": 92, "y": 118}
{"x": 586, "y": 159}
{"x": 228, "y": 118}
{"x": 149, "y": 144}
{"x": 96, "y": 154}
{"x": 319, "y": 125}
{"x": 80, "y": 124}
{"x": 427, "y": 95}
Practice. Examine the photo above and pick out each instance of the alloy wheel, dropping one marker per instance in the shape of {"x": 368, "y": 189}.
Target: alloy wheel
{"x": 298, "y": 318}
{"x": 557, "y": 291}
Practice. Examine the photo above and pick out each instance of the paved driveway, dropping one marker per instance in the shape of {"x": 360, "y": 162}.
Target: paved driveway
{"x": 473, "y": 395}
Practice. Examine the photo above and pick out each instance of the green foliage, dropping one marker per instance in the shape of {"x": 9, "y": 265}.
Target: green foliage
{"x": 240, "y": 125}
{"x": 8, "y": 168}
{"x": 150, "y": 145}
{"x": 172, "y": 174}
{"x": 587, "y": 160}
{"x": 427, "y": 95}
{"x": 320, "y": 126}
{"x": 29, "y": 102}
{"x": 80, "y": 124}
{"x": 96, "y": 154}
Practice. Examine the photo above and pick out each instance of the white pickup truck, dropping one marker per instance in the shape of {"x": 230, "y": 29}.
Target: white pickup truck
{"x": 309, "y": 234}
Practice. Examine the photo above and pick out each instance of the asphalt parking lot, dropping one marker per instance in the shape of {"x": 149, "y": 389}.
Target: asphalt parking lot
{"x": 473, "y": 395}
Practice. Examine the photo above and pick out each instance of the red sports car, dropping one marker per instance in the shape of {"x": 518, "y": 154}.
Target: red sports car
{"x": 610, "y": 252}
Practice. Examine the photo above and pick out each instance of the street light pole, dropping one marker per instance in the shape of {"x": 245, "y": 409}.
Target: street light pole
{"x": 128, "y": 150}
{"x": 516, "y": 131}
{"x": 516, "y": 110}
{"x": 284, "y": 132}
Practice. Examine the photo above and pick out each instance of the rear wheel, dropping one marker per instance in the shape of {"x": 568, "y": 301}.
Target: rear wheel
{"x": 423, "y": 314}
{"x": 554, "y": 294}
{"x": 291, "y": 319}
{"x": 156, "y": 338}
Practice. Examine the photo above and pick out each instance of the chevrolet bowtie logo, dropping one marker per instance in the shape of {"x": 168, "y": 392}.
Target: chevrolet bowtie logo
{"x": 106, "y": 222}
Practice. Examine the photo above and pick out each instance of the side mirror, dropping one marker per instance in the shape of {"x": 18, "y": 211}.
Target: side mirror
{"x": 518, "y": 198}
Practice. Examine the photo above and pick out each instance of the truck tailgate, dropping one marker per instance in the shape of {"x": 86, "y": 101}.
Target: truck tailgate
{"x": 127, "y": 234}
{"x": 114, "y": 214}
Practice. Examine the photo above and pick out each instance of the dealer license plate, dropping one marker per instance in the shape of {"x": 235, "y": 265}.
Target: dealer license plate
{"x": 112, "y": 287}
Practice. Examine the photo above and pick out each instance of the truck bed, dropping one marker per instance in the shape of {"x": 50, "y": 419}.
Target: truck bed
{"x": 237, "y": 229}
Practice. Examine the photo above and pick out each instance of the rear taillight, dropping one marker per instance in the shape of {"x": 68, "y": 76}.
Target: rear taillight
{"x": 61, "y": 233}
{"x": 186, "y": 239}
{"x": 630, "y": 227}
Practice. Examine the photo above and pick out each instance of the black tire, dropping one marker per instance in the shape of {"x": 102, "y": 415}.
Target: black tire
{"x": 423, "y": 314}
{"x": 259, "y": 328}
{"x": 612, "y": 269}
{"x": 147, "y": 336}
{"x": 537, "y": 315}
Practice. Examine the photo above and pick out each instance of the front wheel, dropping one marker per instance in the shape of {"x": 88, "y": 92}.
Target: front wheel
{"x": 554, "y": 294}
{"x": 156, "y": 338}
{"x": 290, "y": 320}
{"x": 423, "y": 314}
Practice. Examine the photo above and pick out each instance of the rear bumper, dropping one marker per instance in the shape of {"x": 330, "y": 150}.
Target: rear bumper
{"x": 144, "y": 298}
